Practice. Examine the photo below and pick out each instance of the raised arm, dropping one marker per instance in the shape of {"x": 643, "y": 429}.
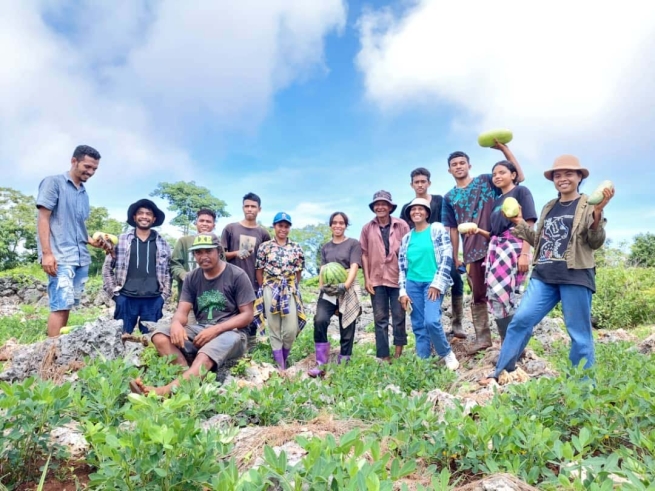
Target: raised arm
{"x": 520, "y": 177}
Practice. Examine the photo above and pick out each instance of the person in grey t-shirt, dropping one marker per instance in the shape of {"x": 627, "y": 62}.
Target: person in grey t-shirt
{"x": 241, "y": 240}
{"x": 63, "y": 207}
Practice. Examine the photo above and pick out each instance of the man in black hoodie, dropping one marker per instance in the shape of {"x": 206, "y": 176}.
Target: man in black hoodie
{"x": 137, "y": 274}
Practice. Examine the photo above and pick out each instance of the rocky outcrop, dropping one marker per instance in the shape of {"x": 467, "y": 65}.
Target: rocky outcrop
{"x": 98, "y": 338}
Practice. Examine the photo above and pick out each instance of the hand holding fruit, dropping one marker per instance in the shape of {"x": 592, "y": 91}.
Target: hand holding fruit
{"x": 608, "y": 194}
{"x": 404, "y": 302}
{"x": 467, "y": 228}
{"x": 104, "y": 241}
{"x": 512, "y": 211}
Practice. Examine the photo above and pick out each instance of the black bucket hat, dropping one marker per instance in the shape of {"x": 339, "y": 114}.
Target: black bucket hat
{"x": 145, "y": 203}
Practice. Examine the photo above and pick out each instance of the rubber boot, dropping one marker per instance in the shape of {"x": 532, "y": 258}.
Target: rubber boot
{"x": 481, "y": 324}
{"x": 502, "y": 325}
{"x": 458, "y": 315}
{"x": 322, "y": 357}
{"x": 344, "y": 358}
{"x": 279, "y": 359}
{"x": 285, "y": 355}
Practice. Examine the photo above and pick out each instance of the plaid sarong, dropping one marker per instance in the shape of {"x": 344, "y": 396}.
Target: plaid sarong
{"x": 504, "y": 281}
{"x": 282, "y": 288}
{"x": 349, "y": 305}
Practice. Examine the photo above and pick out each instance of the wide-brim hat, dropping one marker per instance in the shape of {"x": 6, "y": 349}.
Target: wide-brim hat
{"x": 566, "y": 162}
{"x": 383, "y": 196}
{"x": 417, "y": 202}
{"x": 160, "y": 216}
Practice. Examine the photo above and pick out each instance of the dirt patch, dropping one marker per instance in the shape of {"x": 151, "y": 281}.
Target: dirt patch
{"x": 250, "y": 442}
{"x": 62, "y": 476}
{"x": 497, "y": 482}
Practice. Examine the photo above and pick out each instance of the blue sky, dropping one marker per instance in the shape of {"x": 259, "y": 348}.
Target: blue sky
{"x": 316, "y": 105}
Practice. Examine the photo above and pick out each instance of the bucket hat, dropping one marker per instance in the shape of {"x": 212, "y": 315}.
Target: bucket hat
{"x": 383, "y": 196}
{"x": 160, "y": 216}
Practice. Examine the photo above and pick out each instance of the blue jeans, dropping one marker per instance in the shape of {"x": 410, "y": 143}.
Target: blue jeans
{"x": 539, "y": 299}
{"x": 65, "y": 290}
{"x": 426, "y": 320}
{"x": 133, "y": 309}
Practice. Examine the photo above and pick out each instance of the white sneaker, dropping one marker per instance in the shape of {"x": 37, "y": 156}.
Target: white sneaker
{"x": 451, "y": 361}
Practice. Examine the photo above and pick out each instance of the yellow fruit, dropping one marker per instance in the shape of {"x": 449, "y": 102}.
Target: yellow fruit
{"x": 65, "y": 329}
{"x": 107, "y": 237}
{"x": 488, "y": 138}
{"x": 597, "y": 196}
{"x": 511, "y": 207}
{"x": 464, "y": 228}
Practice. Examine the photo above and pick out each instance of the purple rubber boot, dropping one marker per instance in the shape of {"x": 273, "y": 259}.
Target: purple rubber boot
{"x": 322, "y": 357}
{"x": 279, "y": 359}
{"x": 285, "y": 355}
{"x": 344, "y": 358}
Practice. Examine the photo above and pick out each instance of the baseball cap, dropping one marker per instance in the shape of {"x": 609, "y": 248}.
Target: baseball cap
{"x": 205, "y": 241}
{"x": 282, "y": 217}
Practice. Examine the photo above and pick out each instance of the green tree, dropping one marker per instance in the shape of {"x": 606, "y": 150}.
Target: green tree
{"x": 642, "y": 251}
{"x": 186, "y": 198}
{"x": 100, "y": 221}
{"x": 17, "y": 228}
{"x": 311, "y": 238}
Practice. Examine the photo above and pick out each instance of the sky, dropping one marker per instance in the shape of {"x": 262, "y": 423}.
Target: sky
{"x": 315, "y": 105}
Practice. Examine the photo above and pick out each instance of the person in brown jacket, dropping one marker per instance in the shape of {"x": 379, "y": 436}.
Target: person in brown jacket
{"x": 569, "y": 231}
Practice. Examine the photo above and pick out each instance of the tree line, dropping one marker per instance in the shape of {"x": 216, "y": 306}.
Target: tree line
{"x": 18, "y": 224}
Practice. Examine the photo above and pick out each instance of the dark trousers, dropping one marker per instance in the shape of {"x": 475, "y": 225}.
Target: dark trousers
{"x": 133, "y": 309}
{"x": 324, "y": 312}
{"x": 477, "y": 281}
{"x": 458, "y": 284}
{"x": 385, "y": 299}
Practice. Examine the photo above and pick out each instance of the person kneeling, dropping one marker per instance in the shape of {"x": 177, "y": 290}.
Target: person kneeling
{"x": 222, "y": 300}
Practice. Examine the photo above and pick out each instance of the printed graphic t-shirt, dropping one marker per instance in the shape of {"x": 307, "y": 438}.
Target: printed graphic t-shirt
{"x": 236, "y": 237}
{"x": 345, "y": 253}
{"x": 551, "y": 264}
{"x": 474, "y": 203}
{"x": 500, "y": 224}
{"x": 218, "y": 299}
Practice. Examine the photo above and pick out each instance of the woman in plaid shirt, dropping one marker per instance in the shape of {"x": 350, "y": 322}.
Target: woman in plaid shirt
{"x": 425, "y": 260}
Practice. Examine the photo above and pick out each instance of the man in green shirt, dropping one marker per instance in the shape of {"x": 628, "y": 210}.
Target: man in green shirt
{"x": 183, "y": 261}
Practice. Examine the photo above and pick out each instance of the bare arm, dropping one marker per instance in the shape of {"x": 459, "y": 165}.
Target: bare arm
{"x": 454, "y": 240}
{"x": 259, "y": 276}
{"x": 520, "y": 177}
{"x": 352, "y": 275}
{"x": 48, "y": 261}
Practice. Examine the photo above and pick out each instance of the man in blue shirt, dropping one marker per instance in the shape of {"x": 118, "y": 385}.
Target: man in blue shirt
{"x": 63, "y": 207}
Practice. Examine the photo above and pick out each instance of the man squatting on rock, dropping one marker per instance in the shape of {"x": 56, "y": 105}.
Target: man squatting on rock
{"x": 222, "y": 299}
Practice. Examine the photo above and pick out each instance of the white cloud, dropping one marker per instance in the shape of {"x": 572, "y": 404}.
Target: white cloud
{"x": 136, "y": 78}
{"x": 548, "y": 71}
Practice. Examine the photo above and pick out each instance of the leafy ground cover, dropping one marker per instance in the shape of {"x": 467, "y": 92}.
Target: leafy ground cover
{"x": 366, "y": 426}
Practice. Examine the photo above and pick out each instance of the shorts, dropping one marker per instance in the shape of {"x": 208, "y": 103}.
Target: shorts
{"x": 65, "y": 289}
{"x": 229, "y": 345}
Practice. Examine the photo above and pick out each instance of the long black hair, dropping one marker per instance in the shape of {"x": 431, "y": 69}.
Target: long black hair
{"x": 510, "y": 167}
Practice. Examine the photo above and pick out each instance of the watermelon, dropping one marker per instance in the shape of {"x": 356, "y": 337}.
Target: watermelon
{"x": 333, "y": 274}
{"x": 488, "y": 138}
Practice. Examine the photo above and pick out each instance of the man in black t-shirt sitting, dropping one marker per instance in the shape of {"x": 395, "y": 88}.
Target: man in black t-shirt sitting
{"x": 222, "y": 299}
